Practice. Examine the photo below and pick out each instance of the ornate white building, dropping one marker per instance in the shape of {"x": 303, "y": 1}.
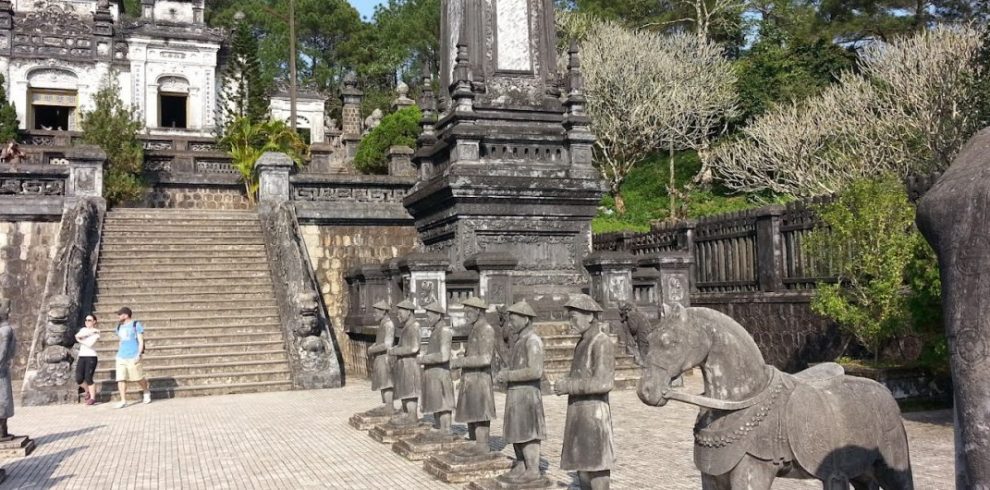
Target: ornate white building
{"x": 54, "y": 55}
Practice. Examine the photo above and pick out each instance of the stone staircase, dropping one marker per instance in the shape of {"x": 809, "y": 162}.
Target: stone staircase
{"x": 199, "y": 282}
{"x": 559, "y": 346}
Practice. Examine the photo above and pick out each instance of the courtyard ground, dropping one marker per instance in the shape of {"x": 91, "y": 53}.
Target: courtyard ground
{"x": 301, "y": 439}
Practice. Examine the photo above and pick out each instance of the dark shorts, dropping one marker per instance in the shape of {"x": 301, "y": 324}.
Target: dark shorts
{"x": 85, "y": 368}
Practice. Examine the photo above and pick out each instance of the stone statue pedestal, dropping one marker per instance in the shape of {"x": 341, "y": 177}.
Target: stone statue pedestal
{"x": 17, "y": 447}
{"x": 453, "y": 468}
{"x": 421, "y": 446}
{"x": 3, "y": 475}
{"x": 390, "y": 434}
{"x": 368, "y": 420}
{"x": 496, "y": 484}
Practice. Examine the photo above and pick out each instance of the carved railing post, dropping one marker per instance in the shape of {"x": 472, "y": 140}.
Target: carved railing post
{"x": 85, "y": 172}
{"x": 376, "y": 289}
{"x": 393, "y": 281}
{"x": 427, "y": 279}
{"x": 769, "y": 249}
{"x": 611, "y": 281}
{"x": 675, "y": 277}
{"x": 273, "y": 177}
{"x": 400, "y": 161}
{"x": 494, "y": 276}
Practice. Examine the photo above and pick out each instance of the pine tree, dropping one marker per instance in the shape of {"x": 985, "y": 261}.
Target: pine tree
{"x": 114, "y": 128}
{"x": 245, "y": 91}
{"x": 8, "y": 116}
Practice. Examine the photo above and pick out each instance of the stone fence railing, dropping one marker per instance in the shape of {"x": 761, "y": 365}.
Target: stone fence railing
{"x": 41, "y": 192}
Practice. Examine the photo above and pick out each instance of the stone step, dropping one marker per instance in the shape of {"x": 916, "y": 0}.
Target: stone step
{"x": 190, "y": 286}
{"x": 623, "y": 381}
{"x": 191, "y": 303}
{"x": 255, "y": 272}
{"x": 155, "y": 331}
{"x": 229, "y": 375}
{"x": 220, "y": 368}
{"x": 163, "y": 270}
{"x": 157, "y": 248}
{"x": 220, "y": 347}
{"x": 153, "y": 360}
{"x": 183, "y": 318}
{"x": 561, "y": 340}
{"x": 186, "y": 255}
{"x": 546, "y": 329}
{"x": 128, "y": 263}
{"x": 620, "y": 372}
{"x": 565, "y": 364}
{"x": 161, "y": 341}
{"x": 116, "y": 240}
{"x": 152, "y": 228}
{"x": 153, "y": 214}
{"x": 164, "y": 389}
{"x": 208, "y": 296}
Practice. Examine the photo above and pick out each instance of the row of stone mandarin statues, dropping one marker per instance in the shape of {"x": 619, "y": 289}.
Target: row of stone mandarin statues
{"x": 423, "y": 381}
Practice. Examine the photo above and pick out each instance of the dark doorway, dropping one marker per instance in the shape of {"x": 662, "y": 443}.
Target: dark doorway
{"x": 52, "y": 117}
{"x": 304, "y": 134}
{"x": 173, "y": 111}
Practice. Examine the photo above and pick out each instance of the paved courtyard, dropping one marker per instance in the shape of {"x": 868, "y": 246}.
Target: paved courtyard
{"x": 302, "y": 440}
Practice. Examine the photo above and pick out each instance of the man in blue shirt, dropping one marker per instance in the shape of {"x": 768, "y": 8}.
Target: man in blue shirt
{"x": 131, "y": 335}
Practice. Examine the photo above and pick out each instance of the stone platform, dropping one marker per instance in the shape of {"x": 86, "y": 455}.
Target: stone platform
{"x": 17, "y": 447}
{"x": 451, "y": 468}
{"x": 389, "y": 434}
{"x": 368, "y": 420}
{"x": 496, "y": 484}
{"x": 421, "y": 446}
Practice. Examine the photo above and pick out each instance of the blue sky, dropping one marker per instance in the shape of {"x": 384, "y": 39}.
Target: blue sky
{"x": 366, "y": 7}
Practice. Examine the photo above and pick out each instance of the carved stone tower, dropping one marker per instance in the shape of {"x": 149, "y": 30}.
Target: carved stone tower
{"x": 506, "y": 166}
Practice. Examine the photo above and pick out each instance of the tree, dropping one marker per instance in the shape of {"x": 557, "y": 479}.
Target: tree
{"x": 869, "y": 232}
{"x": 902, "y": 114}
{"x": 647, "y": 91}
{"x": 399, "y": 128}
{"x": 245, "y": 92}
{"x": 979, "y": 83}
{"x": 246, "y": 141}
{"x": 8, "y": 116}
{"x": 114, "y": 127}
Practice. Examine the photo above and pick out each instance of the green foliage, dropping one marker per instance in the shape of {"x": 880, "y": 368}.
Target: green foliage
{"x": 245, "y": 91}
{"x": 114, "y": 127}
{"x": 246, "y": 141}
{"x": 979, "y": 83}
{"x": 399, "y": 128}
{"x": 8, "y": 116}
{"x": 647, "y": 201}
{"x": 869, "y": 234}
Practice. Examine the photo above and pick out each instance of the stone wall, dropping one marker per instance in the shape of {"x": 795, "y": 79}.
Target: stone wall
{"x": 26, "y": 250}
{"x": 198, "y": 198}
{"x": 789, "y": 334}
{"x": 335, "y": 249}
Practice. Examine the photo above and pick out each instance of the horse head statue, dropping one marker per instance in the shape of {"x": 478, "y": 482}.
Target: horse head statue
{"x": 674, "y": 346}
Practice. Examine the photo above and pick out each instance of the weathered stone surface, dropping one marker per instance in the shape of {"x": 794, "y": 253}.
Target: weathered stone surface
{"x": 424, "y": 445}
{"x": 389, "y": 434}
{"x": 218, "y": 198}
{"x": 452, "y": 468}
{"x": 496, "y": 484}
{"x": 953, "y": 217}
{"x": 17, "y": 447}
{"x": 368, "y": 420}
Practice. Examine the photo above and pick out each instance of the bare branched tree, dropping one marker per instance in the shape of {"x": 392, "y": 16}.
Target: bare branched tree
{"x": 901, "y": 114}
{"x": 649, "y": 92}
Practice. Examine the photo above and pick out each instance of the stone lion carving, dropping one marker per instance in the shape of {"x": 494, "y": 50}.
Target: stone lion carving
{"x": 311, "y": 341}
{"x": 55, "y": 359}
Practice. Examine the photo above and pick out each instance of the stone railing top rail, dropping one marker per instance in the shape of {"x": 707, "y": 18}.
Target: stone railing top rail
{"x": 358, "y": 180}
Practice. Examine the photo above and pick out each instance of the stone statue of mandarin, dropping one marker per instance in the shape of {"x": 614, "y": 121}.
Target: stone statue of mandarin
{"x": 438, "y": 387}
{"x": 588, "y": 429}
{"x": 406, "y": 373}
{"x": 8, "y": 347}
{"x": 525, "y": 424}
{"x": 476, "y": 400}
{"x": 381, "y": 371}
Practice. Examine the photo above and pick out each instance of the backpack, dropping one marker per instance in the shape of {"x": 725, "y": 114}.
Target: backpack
{"x": 134, "y": 325}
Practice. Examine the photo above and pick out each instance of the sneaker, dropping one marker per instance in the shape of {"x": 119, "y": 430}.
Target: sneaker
{"x": 147, "y": 398}
{"x": 120, "y": 405}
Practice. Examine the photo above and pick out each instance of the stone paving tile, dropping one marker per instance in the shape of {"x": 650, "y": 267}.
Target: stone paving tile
{"x": 298, "y": 440}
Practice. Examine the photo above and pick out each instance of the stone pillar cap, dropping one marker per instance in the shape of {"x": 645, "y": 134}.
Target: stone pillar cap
{"x": 85, "y": 152}
{"x": 491, "y": 261}
{"x": 667, "y": 260}
{"x": 372, "y": 271}
{"x": 274, "y": 160}
{"x": 400, "y": 150}
{"x": 608, "y": 259}
{"x": 423, "y": 262}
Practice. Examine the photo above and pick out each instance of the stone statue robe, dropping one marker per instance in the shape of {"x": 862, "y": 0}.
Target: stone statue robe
{"x": 381, "y": 367}
{"x": 438, "y": 387}
{"x": 588, "y": 429}
{"x": 476, "y": 401}
{"x": 8, "y": 347}
{"x": 406, "y": 373}
{"x": 524, "y": 419}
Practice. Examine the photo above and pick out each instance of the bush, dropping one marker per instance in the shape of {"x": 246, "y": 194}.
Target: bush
{"x": 869, "y": 234}
{"x": 246, "y": 141}
{"x": 114, "y": 127}
{"x": 8, "y": 117}
{"x": 399, "y": 128}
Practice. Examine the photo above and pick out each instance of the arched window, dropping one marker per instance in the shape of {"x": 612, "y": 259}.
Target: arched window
{"x": 173, "y": 102}
{"x": 52, "y": 99}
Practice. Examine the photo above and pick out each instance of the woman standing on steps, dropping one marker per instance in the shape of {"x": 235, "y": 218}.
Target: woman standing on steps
{"x": 86, "y": 365}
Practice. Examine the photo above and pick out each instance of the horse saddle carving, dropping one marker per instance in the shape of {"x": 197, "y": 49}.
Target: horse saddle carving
{"x": 821, "y": 375}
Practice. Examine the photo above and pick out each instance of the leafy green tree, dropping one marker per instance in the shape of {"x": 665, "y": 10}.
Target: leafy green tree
{"x": 245, "y": 91}
{"x": 114, "y": 127}
{"x": 399, "y": 128}
{"x": 246, "y": 141}
{"x": 869, "y": 234}
{"x": 8, "y": 116}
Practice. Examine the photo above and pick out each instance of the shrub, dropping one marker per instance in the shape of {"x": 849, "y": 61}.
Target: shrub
{"x": 246, "y": 141}
{"x": 114, "y": 128}
{"x": 8, "y": 116}
{"x": 399, "y": 128}
{"x": 870, "y": 236}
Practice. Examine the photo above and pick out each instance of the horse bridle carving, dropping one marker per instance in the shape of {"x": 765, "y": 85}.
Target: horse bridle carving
{"x": 728, "y": 405}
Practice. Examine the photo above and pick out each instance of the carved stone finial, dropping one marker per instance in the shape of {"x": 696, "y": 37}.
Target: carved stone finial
{"x": 402, "y": 89}
{"x": 461, "y": 91}
{"x": 239, "y": 16}
{"x": 350, "y": 80}
{"x": 428, "y": 104}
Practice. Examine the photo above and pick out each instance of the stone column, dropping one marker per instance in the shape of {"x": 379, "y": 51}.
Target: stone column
{"x": 426, "y": 279}
{"x": 675, "y": 277}
{"x": 85, "y": 172}
{"x": 494, "y": 276}
{"x": 611, "y": 280}
{"x": 354, "y": 319}
{"x": 375, "y": 290}
{"x": 273, "y": 177}
{"x": 400, "y": 161}
{"x": 351, "y": 97}
{"x": 770, "y": 249}
{"x": 148, "y": 9}
{"x": 393, "y": 281}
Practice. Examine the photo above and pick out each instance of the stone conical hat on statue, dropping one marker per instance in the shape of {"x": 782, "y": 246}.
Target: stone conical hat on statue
{"x": 381, "y": 305}
{"x": 522, "y": 308}
{"x": 475, "y": 302}
{"x": 583, "y": 302}
{"x": 435, "y": 308}
{"x": 406, "y": 305}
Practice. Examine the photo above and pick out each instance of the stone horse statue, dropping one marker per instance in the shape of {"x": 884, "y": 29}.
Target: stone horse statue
{"x": 757, "y": 423}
